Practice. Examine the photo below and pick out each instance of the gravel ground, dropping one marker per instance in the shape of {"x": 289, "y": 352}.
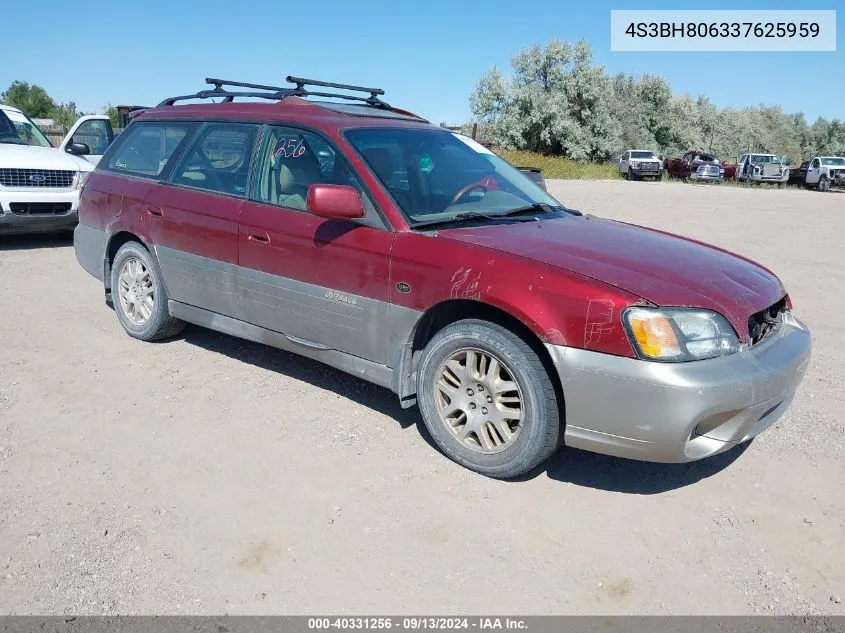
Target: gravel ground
{"x": 209, "y": 475}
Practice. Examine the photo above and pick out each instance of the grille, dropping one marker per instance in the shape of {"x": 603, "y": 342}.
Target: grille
{"x": 648, "y": 165}
{"x": 36, "y": 178}
{"x": 39, "y": 208}
{"x": 708, "y": 169}
{"x": 762, "y": 324}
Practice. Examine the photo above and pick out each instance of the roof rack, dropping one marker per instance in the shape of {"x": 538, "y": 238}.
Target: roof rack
{"x": 373, "y": 99}
{"x": 278, "y": 93}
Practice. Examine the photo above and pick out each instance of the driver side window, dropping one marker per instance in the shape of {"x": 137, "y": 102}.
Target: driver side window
{"x": 219, "y": 159}
{"x": 291, "y": 160}
{"x": 816, "y": 163}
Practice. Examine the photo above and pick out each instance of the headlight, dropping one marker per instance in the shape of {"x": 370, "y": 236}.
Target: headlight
{"x": 82, "y": 178}
{"x": 679, "y": 334}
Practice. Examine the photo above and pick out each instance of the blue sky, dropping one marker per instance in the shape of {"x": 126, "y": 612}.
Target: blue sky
{"x": 427, "y": 55}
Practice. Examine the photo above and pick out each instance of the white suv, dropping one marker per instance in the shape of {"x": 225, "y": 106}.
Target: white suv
{"x": 39, "y": 184}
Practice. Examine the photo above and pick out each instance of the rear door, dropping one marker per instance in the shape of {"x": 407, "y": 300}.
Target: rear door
{"x": 324, "y": 283}
{"x": 140, "y": 160}
{"x": 193, "y": 216}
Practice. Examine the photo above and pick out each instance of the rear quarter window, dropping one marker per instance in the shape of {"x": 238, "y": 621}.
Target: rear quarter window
{"x": 146, "y": 148}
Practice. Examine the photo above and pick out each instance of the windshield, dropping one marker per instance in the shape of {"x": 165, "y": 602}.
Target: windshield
{"x": 437, "y": 175}
{"x": 639, "y": 154}
{"x": 17, "y": 128}
{"x": 833, "y": 160}
{"x": 764, "y": 159}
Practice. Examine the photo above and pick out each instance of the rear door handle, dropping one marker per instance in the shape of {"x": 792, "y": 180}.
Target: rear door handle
{"x": 259, "y": 237}
{"x": 154, "y": 211}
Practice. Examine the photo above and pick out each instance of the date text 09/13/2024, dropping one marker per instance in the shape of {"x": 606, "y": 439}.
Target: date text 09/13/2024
{"x": 421, "y": 623}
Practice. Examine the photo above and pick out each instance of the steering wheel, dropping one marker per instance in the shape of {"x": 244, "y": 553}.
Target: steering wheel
{"x": 478, "y": 184}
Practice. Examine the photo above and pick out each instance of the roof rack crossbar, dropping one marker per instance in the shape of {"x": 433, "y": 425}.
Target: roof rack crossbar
{"x": 219, "y": 83}
{"x": 301, "y": 82}
{"x": 373, "y": 99}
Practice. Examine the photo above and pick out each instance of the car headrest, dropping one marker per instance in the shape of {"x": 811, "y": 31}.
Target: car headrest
{"x": 381, "y": 161}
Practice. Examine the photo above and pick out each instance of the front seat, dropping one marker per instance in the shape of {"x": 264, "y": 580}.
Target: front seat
{"x": 295, "y": 176}
{"x": 381, "y": 162}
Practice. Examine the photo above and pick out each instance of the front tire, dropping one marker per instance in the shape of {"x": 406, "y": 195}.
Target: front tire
{"x": 630, "y": 175}
{"x": 138, "y": 295}
{"x": 824, "y": 183}
{"x": 487, "y": 400}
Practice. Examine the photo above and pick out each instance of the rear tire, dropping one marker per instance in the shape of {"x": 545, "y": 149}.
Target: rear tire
{"x": 138, "y": 295}
{"x": 499, "y": 419}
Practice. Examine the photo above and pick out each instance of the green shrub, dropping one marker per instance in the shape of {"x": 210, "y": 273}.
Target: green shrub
{"x": 560, "y": 167}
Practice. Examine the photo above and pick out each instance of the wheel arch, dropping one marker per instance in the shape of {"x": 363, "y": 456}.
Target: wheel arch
{"x": 117, "y": 239}
{"x": 449, "y": 311}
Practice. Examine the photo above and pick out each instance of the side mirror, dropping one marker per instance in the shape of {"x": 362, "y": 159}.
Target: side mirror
{"x": 78, "y": 149}
{"x": 335, "y": 202}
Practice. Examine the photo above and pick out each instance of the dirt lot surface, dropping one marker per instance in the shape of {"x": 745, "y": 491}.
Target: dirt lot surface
{"x": 211, "y": 475}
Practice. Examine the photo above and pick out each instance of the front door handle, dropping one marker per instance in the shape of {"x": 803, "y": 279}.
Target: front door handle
{"x": 155, "y": 212}
{"x": 259, "y": 237}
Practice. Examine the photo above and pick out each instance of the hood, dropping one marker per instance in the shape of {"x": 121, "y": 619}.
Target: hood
{"x": 31, "y": 157}
{"x": 664, "y": 269}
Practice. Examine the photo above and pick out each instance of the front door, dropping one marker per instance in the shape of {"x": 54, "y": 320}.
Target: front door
{"x": 814, "y": 170}
{"x": 95, "y": 133}
{"x": 320, "y": 282}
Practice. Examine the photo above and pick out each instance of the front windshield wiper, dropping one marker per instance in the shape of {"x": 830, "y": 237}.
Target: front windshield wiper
{"x": 537, "y": 208}
{"x": 13, "y": 140}
{"x": 530, "y": 210}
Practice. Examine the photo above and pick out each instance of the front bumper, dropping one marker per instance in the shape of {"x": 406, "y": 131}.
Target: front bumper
{"x": 647, "y": 172}
{"x": 762, "y": 178}
{"x": 679, "y": 412}
{"x": 37, "y": 211}
{"x": 706, "y": 177}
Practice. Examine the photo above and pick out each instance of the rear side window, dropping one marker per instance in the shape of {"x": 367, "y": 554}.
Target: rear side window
{"x": 145, "y": 148}
{"x": 219, "y": 159}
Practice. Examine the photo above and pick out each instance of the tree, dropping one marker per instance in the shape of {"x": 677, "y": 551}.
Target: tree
{"x": 113, "y": 114}
{"x": 32, "y": 100}
{"x": 556, "y": 101}
{"x": 65, "y": 114}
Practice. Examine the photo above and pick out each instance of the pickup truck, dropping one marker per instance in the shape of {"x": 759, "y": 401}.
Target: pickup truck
{"x": 636, "y": 164}
{"x": 39, "y": 183}
{"x": 824, "y": 172}
{"x": 759, "y": 167}
{"x": 696, "y": 165}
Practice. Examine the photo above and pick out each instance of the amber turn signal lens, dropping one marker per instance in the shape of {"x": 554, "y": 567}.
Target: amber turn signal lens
{"x": 654, "y": 334}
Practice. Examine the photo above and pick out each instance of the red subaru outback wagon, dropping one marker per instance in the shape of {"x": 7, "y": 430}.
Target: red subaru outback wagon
{"x": 318, "y": 219}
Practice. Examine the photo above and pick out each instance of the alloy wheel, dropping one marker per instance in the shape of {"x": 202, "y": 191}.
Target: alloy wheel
{"x": 135, "y": 291}
{"x": 479, "y": 401}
